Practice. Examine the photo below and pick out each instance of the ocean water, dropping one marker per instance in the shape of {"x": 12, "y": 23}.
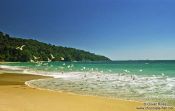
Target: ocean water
{"x": 130, "y": 80}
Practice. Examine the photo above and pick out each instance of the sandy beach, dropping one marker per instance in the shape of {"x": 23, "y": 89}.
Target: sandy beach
{"x": 16, "y": 96}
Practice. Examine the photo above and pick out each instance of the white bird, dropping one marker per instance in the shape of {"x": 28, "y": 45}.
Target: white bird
{"x": 32, "y": 61}
{"x": 133, "y": 78}
{"x": 68, "y": 66}
{"x": 163, "y": 74}
{"x": 140, "y": 70}
{"x": 20, "y": 47}
{"x": 52, "y": 56}
{"x": 36, "y": 57}
{"x": 126, "y": 71}
{"x": 45, "y": 64}
{"x": 71, "y": 65}
{"x": 83, "y": 68}
{"x": 110, "y": 70}
{"x": 62, "y": 59}
{"x": 48, "y": 60}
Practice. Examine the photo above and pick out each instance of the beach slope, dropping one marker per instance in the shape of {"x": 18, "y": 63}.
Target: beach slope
{"x": 16, "y": 96}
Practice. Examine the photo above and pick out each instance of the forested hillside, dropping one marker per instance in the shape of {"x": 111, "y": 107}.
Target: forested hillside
{"x": 23, "y": 50}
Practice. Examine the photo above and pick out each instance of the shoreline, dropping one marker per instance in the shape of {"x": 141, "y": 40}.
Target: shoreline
{"x": 9, "y": 81}
{"x": 61, "y": 91}
{"x": 22, "y": 78}
{"x": 8, "y": 62}
{"x": 86, "y": 95}
{"x": 51, "y": 76}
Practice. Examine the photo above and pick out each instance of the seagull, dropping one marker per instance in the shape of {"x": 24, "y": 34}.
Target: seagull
{"x": 48, "y": 60}
{"x": 133, "y": 77}
{"x": 68, "y": 66}
{"x": 20, "y": 48}
{"x": 36, "y": 57}
{"x": 96, "y": 69}
{"x": 32, "y": 61}
{"x": 71, "y": 65}
{"x": 163, "y": 74}
{"x": 45, "y": 64}
{"x": 52, "y": 56}
{"x": 126, "y": 71}
{"x": 62, "y": 59}
{"x": 83, "y": 68}
{"x": 110, "y": 70}
{"x": 140, "y": 70}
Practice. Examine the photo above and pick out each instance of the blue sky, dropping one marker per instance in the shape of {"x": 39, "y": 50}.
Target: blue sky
{"x": 119, "y": 29}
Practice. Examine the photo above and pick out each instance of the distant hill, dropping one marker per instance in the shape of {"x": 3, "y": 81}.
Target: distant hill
{"x": 23, "y": 50}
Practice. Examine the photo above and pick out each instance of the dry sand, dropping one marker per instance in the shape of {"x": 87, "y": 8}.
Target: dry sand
{"x": 15, "y": 96}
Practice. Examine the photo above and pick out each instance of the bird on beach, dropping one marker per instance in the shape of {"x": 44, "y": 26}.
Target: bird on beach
{"x": 98, "y": 76}
{"x": 20, "y": 47}
{"x": 133, "y": 77}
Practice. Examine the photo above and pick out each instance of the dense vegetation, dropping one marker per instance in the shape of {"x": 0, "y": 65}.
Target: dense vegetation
{"x": 34, "y": 49}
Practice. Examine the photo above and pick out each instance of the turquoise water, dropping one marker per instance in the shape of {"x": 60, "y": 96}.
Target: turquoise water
{"x": 133, "y": 80}
{"x": 130, "y": 67}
